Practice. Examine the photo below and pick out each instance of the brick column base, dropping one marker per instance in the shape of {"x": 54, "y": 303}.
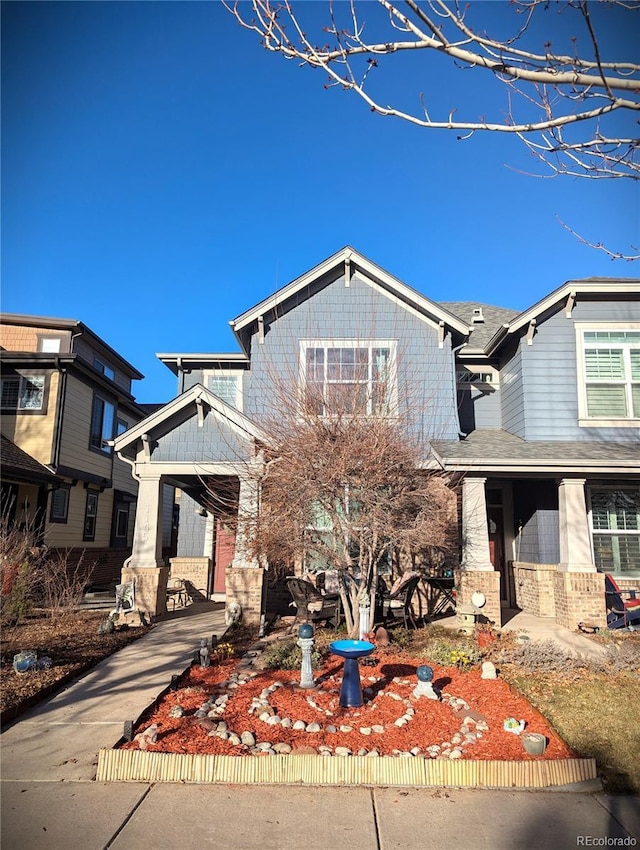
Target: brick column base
{"x": 535, "y": 588}
{"x": 150, "y": 588}
{"x": 580, "y": 599}
{"x": 195, "y": 571}
{"x": 484, "y": 581}
{"x": 244, "y": 587}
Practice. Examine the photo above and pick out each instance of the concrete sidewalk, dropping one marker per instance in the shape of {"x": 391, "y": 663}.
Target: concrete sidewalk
{"x": 50, "y": 799}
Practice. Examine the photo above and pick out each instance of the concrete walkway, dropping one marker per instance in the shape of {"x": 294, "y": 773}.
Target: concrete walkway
{"x": 541, "y": 629}
{"x": 51, "y": 800}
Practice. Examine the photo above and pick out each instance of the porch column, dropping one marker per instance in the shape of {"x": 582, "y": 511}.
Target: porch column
{"x": 243, "y": 579}
{"x": 248, "y": 502}
{"x": 575, "y": 537}
{"x": 475, "y": 528}
{"x": 145, "y": 565}
{"x": 476, "y": 574}
{"x": 579, "y": 587}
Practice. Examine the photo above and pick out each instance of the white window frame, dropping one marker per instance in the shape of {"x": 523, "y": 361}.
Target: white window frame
{"x": 226, "y": 373}
{"x": 50, "y": 344}
{"x": 611, "y": 532}
{"x": 584, "y": 420}
{"x": 391, "y": 344}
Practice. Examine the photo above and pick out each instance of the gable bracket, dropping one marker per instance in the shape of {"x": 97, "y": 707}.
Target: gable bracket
{"x": 261, "y": 330}
{"x": 202, "y": 408}
{"x": 146, "y": 446}
{"x": 347, "y": 271}
{"x": 531, "y": 331}
{"x": 441, "y": 334}
{"x": 568, "y": 307}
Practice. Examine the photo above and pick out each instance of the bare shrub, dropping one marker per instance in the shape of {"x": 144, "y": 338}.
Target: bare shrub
{"x": 21, "y": 560}
{"x": 63, "y": 584}
{"x": 619, "y": 657}
{"x": 542, "y": 656}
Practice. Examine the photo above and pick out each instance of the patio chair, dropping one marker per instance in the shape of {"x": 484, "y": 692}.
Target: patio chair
{"x": 176, "y": 592}
{"x": 621, "y": 612}
{"x": 311, "y": 605}
{"x": 396, "y": 604}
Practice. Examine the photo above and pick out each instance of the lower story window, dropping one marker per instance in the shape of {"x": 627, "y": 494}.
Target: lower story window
{"x": 90, "y": 514}
{"x": 615, "y": 520}
{"x": 60, "y": 504}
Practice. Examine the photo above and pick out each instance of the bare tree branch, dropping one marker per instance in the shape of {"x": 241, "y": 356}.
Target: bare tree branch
{"x": 614, "y": 255}
{"x": 566, "y": 97}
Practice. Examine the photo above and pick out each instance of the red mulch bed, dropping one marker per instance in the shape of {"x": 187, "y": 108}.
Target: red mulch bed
{"x": 433, "y": 722}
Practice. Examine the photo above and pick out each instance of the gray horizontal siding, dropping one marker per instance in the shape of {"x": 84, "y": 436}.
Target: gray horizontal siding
{"x": 512, "y": 395}
{"x": 426, "y": 393}
{"x": 550, "y": 375}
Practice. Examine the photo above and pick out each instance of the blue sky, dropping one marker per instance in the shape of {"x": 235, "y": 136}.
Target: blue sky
{"x": 162, "y": 173}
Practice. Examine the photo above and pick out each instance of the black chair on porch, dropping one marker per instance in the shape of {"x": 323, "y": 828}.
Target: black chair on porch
{"x": 397, "y": 603}
{"x": 311, "y": 605}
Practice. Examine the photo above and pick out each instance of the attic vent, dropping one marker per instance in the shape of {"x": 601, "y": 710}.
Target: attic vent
{"x": 477, "y": 316}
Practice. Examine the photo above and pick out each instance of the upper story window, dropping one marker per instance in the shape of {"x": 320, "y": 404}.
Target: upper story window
{"x": 353, "y": 377}
{"x": 106, "y": 370}
{"x": 227, "y": 385}
{"x": 23, "y": 393}
{"x": 50, "y": 344}
{"x": 610, "y": 361}
{"x": 102, "y": 424}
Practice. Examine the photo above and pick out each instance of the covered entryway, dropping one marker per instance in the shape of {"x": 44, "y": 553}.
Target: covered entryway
{"x": 211, "y": 453}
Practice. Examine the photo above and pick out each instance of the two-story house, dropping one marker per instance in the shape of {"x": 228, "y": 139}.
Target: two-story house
{"x": 65, "y": 394}
{"x": 539, "y": 411}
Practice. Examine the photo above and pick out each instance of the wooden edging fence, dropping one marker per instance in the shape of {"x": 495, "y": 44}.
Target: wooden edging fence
{"x": 145, "y": 766}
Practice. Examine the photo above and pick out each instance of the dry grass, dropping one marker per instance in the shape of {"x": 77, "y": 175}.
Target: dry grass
{"x": 591, "y": 712}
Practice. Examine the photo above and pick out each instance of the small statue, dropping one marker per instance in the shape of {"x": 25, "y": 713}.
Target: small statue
{"x": 205, "y": 655}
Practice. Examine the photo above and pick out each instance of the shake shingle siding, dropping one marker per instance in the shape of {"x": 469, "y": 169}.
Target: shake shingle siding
{"x": 213, "y": 441}
{"x": 425, "y": 372}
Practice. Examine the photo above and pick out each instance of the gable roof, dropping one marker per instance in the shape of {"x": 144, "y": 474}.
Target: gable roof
{"x": 349, "y": 258}
{"x": 480, "y": 331}
{"x": 180, "y": 408}
{"x": 563, "y": 295}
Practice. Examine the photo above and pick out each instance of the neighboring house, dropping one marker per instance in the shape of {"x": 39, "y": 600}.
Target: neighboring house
{"x": 540, "y": 411}
{"x": 65, "y": 394}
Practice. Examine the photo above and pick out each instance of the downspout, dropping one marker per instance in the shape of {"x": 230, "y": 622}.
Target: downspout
{"x": 62, "y": 398}
{"x": 454, "y": 351}
{"x": 57, "y": 438}
{"x": 132, "y": 464}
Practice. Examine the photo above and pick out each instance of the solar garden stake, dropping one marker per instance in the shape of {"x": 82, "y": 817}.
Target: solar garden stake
{"x": 214, "y": 641}
{"x": 305, "y": 642}
{"x": 363, "y": 628}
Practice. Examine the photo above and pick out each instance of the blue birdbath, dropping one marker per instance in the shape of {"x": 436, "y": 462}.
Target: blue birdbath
{"x": 351, "y": 650}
